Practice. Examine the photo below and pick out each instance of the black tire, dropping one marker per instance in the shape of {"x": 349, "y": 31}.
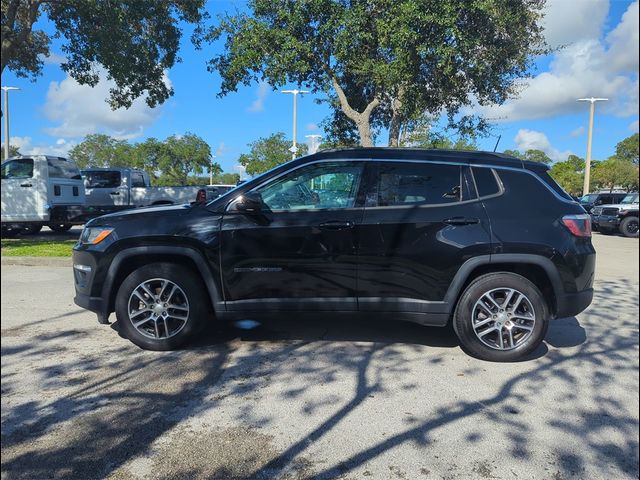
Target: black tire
{"x": 60, "y": 227}
{"x": 629, "y": 227}
{"x": 463, "y": 317}
{"x": 31, "y": 229}
{"x": 190, "y": 285}
{"x": 10, "y": 232}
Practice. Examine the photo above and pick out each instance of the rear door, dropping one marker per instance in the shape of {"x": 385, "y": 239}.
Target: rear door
{"x": 22, "y": 189}
{"x": 301, "y": 253}
{"x": 421, "y": 222}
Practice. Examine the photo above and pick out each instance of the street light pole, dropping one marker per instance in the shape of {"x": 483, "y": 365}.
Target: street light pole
{"x": 211, "y": 170}
{"x": 587, "y": 168}
{"x": 6, "y": 119}
{"x": 294, "y": 148}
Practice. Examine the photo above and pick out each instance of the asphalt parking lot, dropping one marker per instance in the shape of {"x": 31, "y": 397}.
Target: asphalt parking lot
{"x": 317, "y": 399}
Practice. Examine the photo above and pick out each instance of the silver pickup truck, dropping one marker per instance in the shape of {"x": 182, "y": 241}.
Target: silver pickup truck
{"x": 112, "y": 189}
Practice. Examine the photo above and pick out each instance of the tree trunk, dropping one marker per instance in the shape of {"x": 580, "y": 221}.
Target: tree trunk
{"x": 361, "y": 119}
{"x": 396, "y": 120}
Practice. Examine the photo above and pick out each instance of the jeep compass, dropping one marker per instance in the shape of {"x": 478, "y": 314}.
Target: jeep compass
{"x": 486, "y": 242}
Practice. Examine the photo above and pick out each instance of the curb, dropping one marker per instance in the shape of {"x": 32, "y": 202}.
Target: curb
{"x": 38, "y": 261}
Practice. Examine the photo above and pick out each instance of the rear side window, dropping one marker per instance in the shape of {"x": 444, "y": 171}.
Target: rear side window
{"x": 61, "y": 168}
{"x": 20, "y": 168}
{"x": 486, "y": 181}
{"x": 137, "y": 180}
{"x": 548, "y": 179}
{"x": 415, "y": 184}
{"x": 98, "y": 179}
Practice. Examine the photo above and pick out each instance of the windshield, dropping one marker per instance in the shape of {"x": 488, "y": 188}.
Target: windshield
{"x": 591, "y": 198}
{"x": 630, "y": 199}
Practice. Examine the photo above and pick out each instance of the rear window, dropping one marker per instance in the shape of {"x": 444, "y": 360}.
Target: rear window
{"x": 486, "y": 181}
{"x": 548, "y": 179}
{"x": 20, "y": 168}
{"x": 98, "y": 179}
{"x": 61, "y": 168}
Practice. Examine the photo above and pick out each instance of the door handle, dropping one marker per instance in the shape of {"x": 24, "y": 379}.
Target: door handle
{"x": 26, "y": 185}
{"x": 336, "y": 225}
{"x": 461, "y": 221}
{"x": 114, "y": 193}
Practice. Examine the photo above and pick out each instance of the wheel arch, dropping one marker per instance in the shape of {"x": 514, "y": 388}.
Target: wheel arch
{"x": 133, "y": 258}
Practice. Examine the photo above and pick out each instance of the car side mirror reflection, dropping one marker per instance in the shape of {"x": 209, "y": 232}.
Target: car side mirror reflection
{"x": 250, "y": 202}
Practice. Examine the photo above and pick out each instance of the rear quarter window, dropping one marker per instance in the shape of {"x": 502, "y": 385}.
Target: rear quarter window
{"x": 61, "y": 168}
{"x": 486, "y": 181}
{"x": 548, "y": 179}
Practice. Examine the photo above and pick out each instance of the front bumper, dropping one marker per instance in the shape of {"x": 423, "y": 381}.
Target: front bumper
{"x": 84, "y": 276}
{"x": 605, "y": 221}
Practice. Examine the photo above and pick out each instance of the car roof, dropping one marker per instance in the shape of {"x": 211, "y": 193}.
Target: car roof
{"x": 441, "y": 155}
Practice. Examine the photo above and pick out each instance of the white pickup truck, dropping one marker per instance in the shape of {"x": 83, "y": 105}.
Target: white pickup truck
{"x": 41, "y": 190}
{"x": 111, "y": 189}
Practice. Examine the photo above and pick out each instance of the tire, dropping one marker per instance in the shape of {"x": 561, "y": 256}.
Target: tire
{"x": 10, "y": 232}
{"x": 31, "y": 229}
{"x": 629, "y": 227}
{"x": 60, "y": 227}
{"x": 151, "y": 335}
{"x": 469, "y": 311}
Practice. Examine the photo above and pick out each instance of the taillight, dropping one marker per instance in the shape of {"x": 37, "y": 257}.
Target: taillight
{"x": 578, "y": 225}
{"x": 201, "y": 196}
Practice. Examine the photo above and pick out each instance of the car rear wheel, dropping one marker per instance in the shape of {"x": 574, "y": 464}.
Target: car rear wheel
{"x": 501, "y": 317}
{"x": 31, "y": 229}
{"x": 161, "y": 306}
{"x": 629, "y": 227}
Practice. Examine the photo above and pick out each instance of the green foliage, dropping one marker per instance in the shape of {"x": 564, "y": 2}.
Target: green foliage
{"x": 616, "y": 173}
{"x": 13, "y": 151}
{"x": 531, "y": 155}
{"x": 134, "y": 40}
{"x": 569, "y": 174}
{"x": 267, "y": 153}
{"x": 383, "y": 62}
{"x": 424, "y": 134}
{"x": 175, "y": 161}
{"x": 627, "y": 149}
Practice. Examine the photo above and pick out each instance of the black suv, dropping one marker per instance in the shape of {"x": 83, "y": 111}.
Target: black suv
{"x": 591, "y": 200}
{"x": 482, "y": 240}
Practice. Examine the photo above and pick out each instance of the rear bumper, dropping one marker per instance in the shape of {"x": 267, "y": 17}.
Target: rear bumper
{"x": 571, "y": 304}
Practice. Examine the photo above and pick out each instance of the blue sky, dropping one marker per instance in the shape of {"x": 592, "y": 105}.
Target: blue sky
{"x": 599, "y": 58}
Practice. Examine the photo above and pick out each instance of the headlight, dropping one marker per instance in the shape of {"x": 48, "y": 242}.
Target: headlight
{"x": 94, "y": 235}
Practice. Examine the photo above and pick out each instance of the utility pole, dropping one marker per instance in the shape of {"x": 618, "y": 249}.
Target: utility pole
{"x": 6, "y": 119}
{"x": 294, "y": 147}
{"x": 315, "y": 142}
{"x": 211, "y": 170}
{"x": 587, "y": 168}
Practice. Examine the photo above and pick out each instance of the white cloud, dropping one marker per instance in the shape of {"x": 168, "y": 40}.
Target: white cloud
{"x": 261, "y": 94}
{"x": 53, "y": 59}
{"x": 534, "y": 140}
{"x": 222, "y": 148}
{"x": 567, "y": 21}
{"x": 60, "y": 148}
{"x": 82, "y": 110}
{"x": 577, "y": 131}
{"x": 311, "y": 127}
{"x": 587, "y": 67}
{"x": 633, "y": 126}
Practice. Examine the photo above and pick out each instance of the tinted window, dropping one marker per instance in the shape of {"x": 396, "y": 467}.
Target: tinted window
{"x": 137, "y": 179}
{"x": 548, "y": 179}
{"x": 486, "y": 182}
{"x": 61, "y": 168}
{"x": 99, "y": 179}
{"x": 415, "y": 184}
{"x": 314, "y": 187}
{"x": 22, "y": 168}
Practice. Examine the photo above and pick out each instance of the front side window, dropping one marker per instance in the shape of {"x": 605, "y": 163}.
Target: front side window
{"x": 416, "y": 184}
{"x": 102, "y": 179}
{"x": 21, "y": 168}
{"x": 317, "y": 186}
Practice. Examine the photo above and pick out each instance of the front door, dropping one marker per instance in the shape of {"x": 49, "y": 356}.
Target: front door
{"x": 22, "y": 188}
{"x": 421, "y": 222}
{"x": 299, "y": 253}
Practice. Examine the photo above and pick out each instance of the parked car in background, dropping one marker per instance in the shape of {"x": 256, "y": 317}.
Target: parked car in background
{"x": 430, "y": 236}
{"x": 591, "y": 200}
{"x": 621, "y": 217}
{"x": 112, "y": 189}
{"x": 41, "y": 190}
{"x": 211, "y": 192}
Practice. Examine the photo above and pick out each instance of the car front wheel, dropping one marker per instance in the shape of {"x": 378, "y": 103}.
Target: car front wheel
{"x": 161, "y": 306}
{"x": 629, "y": 227}
{"x": 501, "y": 317}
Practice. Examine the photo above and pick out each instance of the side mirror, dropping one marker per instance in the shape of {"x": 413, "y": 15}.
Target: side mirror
{"x": 249, "y": 202}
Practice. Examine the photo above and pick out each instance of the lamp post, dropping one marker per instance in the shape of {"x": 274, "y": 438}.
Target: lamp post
{"x": 315, "y": 142}
{"x": 294, "y": 147}
{"x": 587, "y": 168}
{"x": 6, "y": 119}
{"x": 211, "y": 170}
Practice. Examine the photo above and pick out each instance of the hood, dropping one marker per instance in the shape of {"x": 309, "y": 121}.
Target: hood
{"x": 142, "y": 214}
